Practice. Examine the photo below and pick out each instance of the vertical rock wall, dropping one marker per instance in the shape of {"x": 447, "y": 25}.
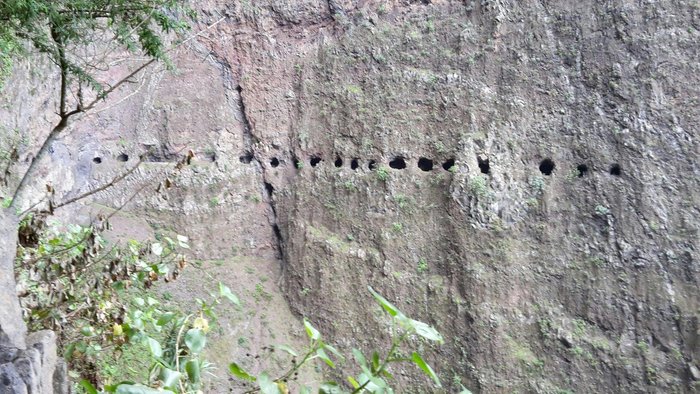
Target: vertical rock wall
{"x": 28, "y": 364}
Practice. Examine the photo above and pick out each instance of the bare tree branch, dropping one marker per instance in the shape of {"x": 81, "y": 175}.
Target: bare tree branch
{"x": 66, "y": 115}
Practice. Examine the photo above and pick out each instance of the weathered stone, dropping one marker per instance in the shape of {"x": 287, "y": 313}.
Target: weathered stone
{"x": 10, "y": 380}
{"x": 12, "y": 327}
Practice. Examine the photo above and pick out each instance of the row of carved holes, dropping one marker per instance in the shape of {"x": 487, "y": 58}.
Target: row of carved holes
{"x": 546, "y": 166}
{"x": 123, "y": 157}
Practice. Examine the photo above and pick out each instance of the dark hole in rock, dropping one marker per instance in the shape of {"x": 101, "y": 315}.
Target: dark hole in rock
{"x": 338, "y": 162}
{"x": 246, "y": 158}
{"x": 314, "y": 161}
{"x": 123, "y": 157}
{"x": 274, "y": 162}
{"x": 277, "y": 231}
{"x": 449, "y": 163}
{"x": 97, "y": 160}
{"x": 398, "y": 163}
{"x": 270, "y": 189}
{"x": 425, "y": 164}
{"x": 484, "y": 165}
{"x": 547, "y": 166}
{"x": 615, "y": 169}
{"x": 372, "y": 165}
{"x": 355, "y": 164}
{"x": 211, "y": 156}
{"x": 582, "y": 170}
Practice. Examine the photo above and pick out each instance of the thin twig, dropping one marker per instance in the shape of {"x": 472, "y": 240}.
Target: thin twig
{"x": 114, "y": 181}
{"x": 66, "y": 116}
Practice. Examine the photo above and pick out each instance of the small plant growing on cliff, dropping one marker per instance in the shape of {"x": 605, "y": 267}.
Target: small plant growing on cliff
{"x": 382, "y": 174}
{"x": 601, "y": 210}
{"x": 373, "y": 375}
{"x": 422, "y": 266}
{"x": 478, "y": 186}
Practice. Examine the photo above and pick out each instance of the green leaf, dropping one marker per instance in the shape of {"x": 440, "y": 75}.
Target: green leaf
{"x": 393, "y": 311}
{"x": 182, "y": 241}
{"x": 195, "y": 340}
{"x": 353, "y": 382}
{"x": 330, "y": 388}
{"x": 375, "y": 361}
{"x": 224, "y": 291}
{"x": 170, "y": 378}
{"x": 240, "y": 373}
{"x": 426, "y": 331}
{"x": 311, "y": 331}
{"x": 464, "y": 390}
{"x": 323, "y": 356}
{"x": 287, "y": 349}
{"x": 89, "y": 388}
{"x": 360, "y": 357}
{"x": 305, "y": 390}
{"x": 418, "y": 360}
{"x": 137, "y": 389}
{"x": 193, "y": 369}
{"x": 267, "y": 386}
{"x": 157, "y": 248}
{"x": 333, "y": 350}
{"x": 165, "y": 318}
{"x": 155, "y": 348}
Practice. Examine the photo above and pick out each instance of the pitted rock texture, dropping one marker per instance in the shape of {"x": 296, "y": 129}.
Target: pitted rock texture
{"x": 569, "y": 262}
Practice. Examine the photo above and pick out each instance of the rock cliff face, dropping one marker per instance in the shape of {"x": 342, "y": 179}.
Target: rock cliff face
{"x": 521, "y": 174}
{"x": 28, "y": 364}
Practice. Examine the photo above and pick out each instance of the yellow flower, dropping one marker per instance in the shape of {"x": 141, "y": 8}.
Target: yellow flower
{"x": 201, "y": 323}
{"x": 282, "y": 387}
{"x": 117, "y": 330}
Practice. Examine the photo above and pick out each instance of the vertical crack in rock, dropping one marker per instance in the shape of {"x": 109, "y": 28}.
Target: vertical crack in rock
{"x": 251, "y": 140}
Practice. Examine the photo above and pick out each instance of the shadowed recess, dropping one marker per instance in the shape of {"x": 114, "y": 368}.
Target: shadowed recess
{"x": 372, "y": 165}
{"x": 97, "y": 160}
{"x": 615, "y": 170}
{"x": 314, "y": 161}
{"x": 425, "y": 164}
{"x": 398, "y": 163}
{"x": 338, "y": 162}
{"x": 274, "y": 162}
{"x": 484, "y": 165}
{"x": 246, "y": 158}
{"x": 547, "y": 166}
{"x": 123, "y": 157}
{"x": 449, "y": 163}
{"x": 355, "y": 164}
{"x": 582, "y": 170}
{"x": 270, "y": 189}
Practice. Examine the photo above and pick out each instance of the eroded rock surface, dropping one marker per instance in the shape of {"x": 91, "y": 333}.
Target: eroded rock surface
{"x": 546, "y": 218}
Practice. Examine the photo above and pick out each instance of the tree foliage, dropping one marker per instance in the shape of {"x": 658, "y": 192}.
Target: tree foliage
{"x": 66, "y": 29}
{"x": 81, "y": 37}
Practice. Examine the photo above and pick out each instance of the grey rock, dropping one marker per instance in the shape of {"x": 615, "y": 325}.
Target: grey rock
{"x": 10, "y": 380}
{"x": 12, "y": 328}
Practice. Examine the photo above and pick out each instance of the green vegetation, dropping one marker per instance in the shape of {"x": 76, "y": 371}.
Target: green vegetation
{"x": 422, "y": 266}
{"x": 61, "y": 29}
{"x": 114, "y": 331}
{"x": 601, "y": 210}
{"x": 478, "y": 186}
{"x": 67, "y": 33}
{"x": 382, "y": 173}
